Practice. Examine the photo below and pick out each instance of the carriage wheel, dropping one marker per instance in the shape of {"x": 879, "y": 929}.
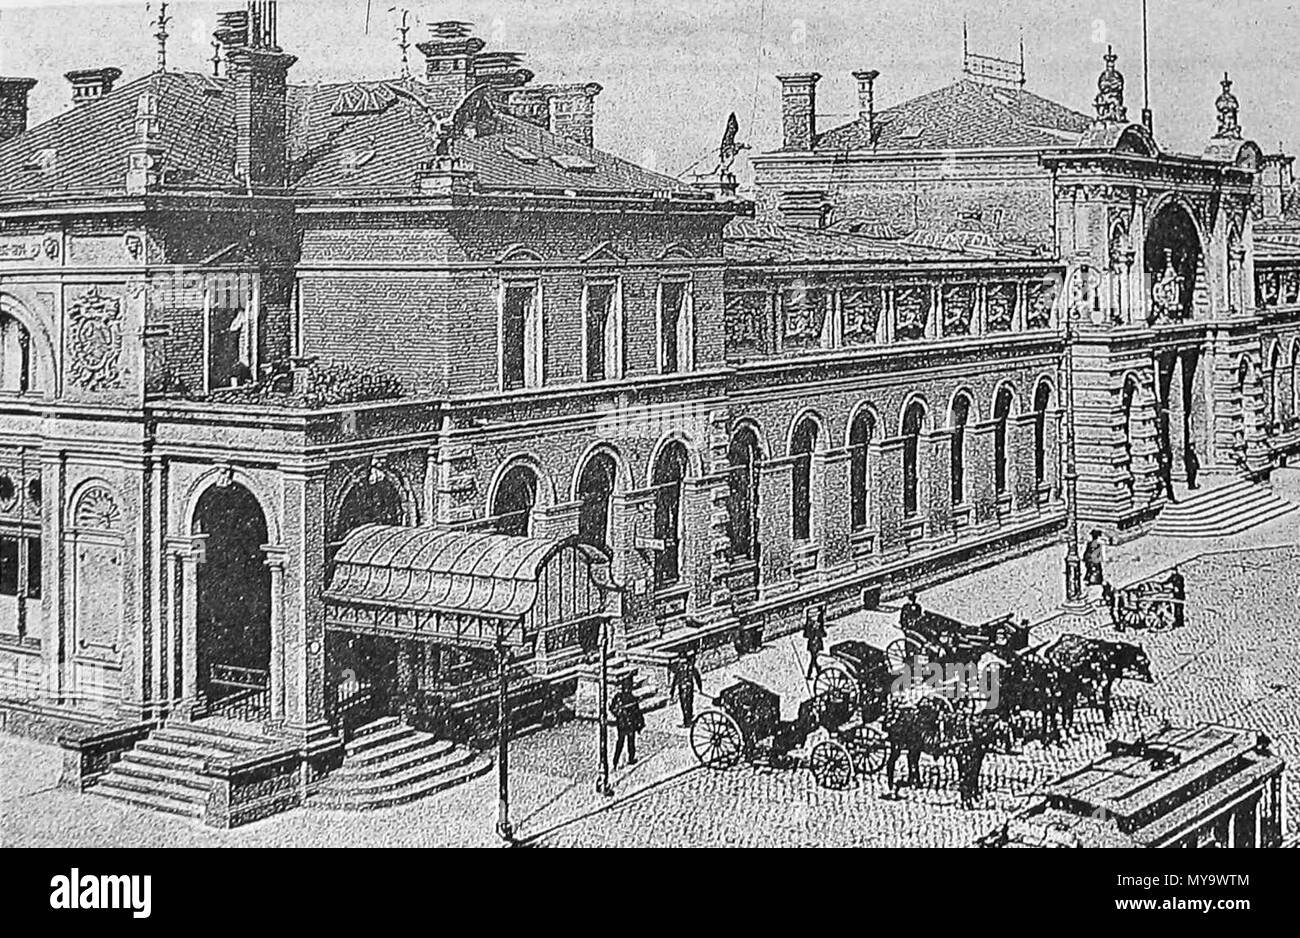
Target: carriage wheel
{"x": 873, "y": 749}
{"x": 832, "y": 766}
{"x": 1162, "y": 616}
{"x": 716, "y": 740}
{"x": 1130, "y": 617}
{"x": 901, "y": 653}
{"x": 836, "y": 681}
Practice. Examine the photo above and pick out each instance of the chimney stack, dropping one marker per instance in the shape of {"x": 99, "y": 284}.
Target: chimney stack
{"x": 799, "y": 110}
{"x": 450, "y": 71}
{"x": 258, "y": 72}
{"x": 13, "y": 106}
{"x": 1276, "y": 177}
{"x": 867, "y": 100}
{"x": 91, "y": 84}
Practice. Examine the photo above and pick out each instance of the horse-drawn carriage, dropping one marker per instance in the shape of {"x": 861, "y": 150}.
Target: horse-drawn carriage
{"x": 1155, "y": 604}
{"x": 941, "y": 640}
{"x": 745, "y": 725}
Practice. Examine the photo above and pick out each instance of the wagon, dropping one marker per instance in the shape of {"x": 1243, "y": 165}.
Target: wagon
{"x": 938, "y": 639}
{"x": 1151, "y": 604}
{"x": 745, "y": 725}
{"x": 859, "y": 673}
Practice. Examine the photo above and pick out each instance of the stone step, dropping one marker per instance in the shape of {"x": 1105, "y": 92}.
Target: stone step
{"x": 376, "y": 740}
{"x": 396, "y": 760}
{"x": 1238, "y": 522}
{"x": 106, "y": 788}
{"x": 400, "y": 777}
{"x": 178, "y": 751}
{"x": 165, "y": 789}
{"x": 131, "y": 765}
{"x": 341, "y": 800}
{"x": 210, "y": 740}
{"x": 1223, "y": 512}
{"x": 379, "y": 726}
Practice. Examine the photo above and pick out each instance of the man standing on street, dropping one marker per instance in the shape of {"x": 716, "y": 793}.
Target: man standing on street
{"x": 1178, "y": 589}
{"x": 814, "y": 633}
{"x": 685, "y": 681}
{"x": 1093, "y": 557}
{"x": 1193, "y": 466}
{"x": 626, "y": 711}
{"x": 911, "y": 613}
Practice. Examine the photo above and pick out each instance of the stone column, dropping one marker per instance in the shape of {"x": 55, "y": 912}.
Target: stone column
{"x": 632, "y": 516}
{"x": 775, "y": 483}
{"x": 1022, "y": 479}
{"x": 936, "y": 497}
{"x": 275, "y": 561}
{"x": 192, "y": 557}
{"x": 303, "y": 527}
{"x": 831, "y": 509}
{"x": 888, "y": 497}
{"x": 981, "y": 479}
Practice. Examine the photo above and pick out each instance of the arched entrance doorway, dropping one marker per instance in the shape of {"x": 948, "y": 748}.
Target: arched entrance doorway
{"x": 595, "y": 494}
{"x": 233, "y": 613}
{"x": 1173, "y": 261}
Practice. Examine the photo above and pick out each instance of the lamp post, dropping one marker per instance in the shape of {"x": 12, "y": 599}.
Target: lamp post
{"x": 504, "y": 828}
{"x": 602, "y": 784}
{"x": 1073, "y": 568}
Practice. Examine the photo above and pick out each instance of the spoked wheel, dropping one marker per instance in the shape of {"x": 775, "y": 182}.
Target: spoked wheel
{"x": 872, "y": 747}
{"x": 832, "y": 766}
{"x": 1161, "y": 616}
{"x": 716, "y": 740}
{"x": 901, "y": 653}
{"x": 835, "y": 681}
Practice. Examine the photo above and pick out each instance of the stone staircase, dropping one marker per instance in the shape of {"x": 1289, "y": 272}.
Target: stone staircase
{"x": 162, "y": 772}
{"x": 586, "y": 703}
{"x": 387, "y": 763}
{"x": 1222, "y": 512}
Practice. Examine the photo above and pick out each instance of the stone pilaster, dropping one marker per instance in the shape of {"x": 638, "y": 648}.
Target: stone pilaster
{"x": 775, "y": 483}
{"x": 832, "y": 518}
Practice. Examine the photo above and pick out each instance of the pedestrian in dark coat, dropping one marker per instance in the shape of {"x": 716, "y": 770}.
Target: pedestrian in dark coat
{"x": 1178, "y": 589}
{"x": 685, "y": 682}
{"x": 814, "y": 633}
{"x": 1093, "y": 557}
{"x": 628, "y": 719}
{"x": 911, "y": 614}
{"x": 1193, "y": 466}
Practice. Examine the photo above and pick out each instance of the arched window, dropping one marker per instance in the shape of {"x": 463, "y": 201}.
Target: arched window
{"x": 742, "y": 504}
{"x": 860, "y": 436}
{"x": 374, "y": 500}
{"x": 802, "y": 445}
{"x": 1042, "y": 404}
{"x": 595, "y": 490}
{"x": 957, "y": 421}
{"x": 913, "y": 421}
{"x": 17, "y": 368}
{"x": 512, "y": 508}
{"x": 1001, "y": 413}
{"x": 669, "y": 471}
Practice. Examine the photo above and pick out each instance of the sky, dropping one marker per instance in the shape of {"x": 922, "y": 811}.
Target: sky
{"x": 673, "y": 70}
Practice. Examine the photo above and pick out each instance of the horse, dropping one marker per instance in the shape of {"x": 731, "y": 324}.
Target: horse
{"x": 932, "y": 727}
{"x": 1091, "y": 666}
{"x": 1030, "y": 684}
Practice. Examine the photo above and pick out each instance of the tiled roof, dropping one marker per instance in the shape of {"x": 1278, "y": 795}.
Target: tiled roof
{"x": 964, "y": 115}
{"x": 374, "y": 144}
{"x": 758, "y": 242}
{"x": 389, "y": 147}
{"x": 84, "y": 150}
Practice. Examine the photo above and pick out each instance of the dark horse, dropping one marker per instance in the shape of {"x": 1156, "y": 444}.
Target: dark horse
{"x": 1091, "y": 666}
{"x": 1028, "y": 684}
{"x": 932, "y": 727}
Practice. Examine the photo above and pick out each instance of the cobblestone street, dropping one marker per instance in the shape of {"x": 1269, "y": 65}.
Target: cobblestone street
{"x": 1233, "y": 663}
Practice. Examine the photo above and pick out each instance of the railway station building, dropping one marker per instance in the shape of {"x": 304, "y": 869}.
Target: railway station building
{"x": 312, "y": 396}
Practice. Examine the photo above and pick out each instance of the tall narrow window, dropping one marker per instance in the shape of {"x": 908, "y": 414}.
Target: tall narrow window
{"x": 670, "y": 471}
{"x": 913, "y": 420}
{"x": 957, "y": 423}
{"x": 512, "y": 508}
{"x": 1042, "y": 404}
{"x": 16, "y": 365}
{"x": 521, "y": 350}
{"x": 802, "y": 446}
{"x": 9, "y": 566}
{"x": 33, "y": 568}
{"x": 676, "y": 330}
{"x": 860, "y": 435}
{"x": 595, "y": 491}
{"x": 1001, "y": 413}
{"x": 604, "y": 354}
{"x": 742, "y": 504}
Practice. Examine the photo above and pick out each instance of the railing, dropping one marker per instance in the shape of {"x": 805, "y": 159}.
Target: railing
{"x": 249, "y": 695}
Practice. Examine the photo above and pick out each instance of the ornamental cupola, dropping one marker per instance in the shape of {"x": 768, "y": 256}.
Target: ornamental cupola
{"x": 1229, "y": 112}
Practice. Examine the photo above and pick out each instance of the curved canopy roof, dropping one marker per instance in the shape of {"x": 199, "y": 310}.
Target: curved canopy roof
{"x": 462, "y": 573}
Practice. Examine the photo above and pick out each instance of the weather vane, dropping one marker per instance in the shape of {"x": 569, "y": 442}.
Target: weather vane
{"x": 161, "y": 35}
{"x": 403, "y": 42}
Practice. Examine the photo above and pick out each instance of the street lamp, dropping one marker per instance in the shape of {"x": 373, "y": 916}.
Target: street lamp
{"x": 1073, "y": 568}
{"x": 603, "y": 786}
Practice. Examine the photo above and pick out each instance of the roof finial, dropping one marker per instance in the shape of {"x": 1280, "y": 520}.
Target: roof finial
{"x": 1110, "y": 87}
{"x": 1229, "y": 112}
{"x": 404, "y": 43}
{"x": 162, "y": 35}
